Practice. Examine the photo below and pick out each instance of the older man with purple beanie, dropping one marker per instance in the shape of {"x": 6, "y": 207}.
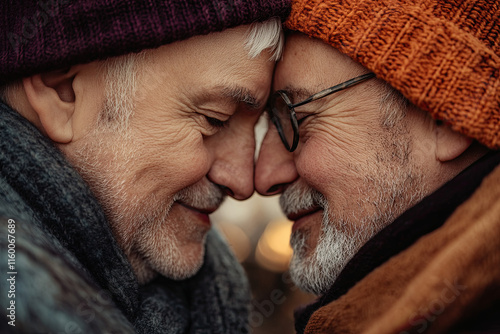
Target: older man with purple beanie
{"x": 123, "y": 125}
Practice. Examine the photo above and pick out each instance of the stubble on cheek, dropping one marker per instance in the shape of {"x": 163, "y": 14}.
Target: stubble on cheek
{"x": 106, "y": 163}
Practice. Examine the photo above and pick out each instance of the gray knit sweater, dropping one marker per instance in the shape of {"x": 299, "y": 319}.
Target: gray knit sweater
{"x": 61, "y": 270}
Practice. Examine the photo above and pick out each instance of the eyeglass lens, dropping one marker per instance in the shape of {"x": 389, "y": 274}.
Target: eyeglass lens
{"x": 283, "y": 116}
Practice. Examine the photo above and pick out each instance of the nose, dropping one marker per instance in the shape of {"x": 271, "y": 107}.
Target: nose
{"x": 233, "y": 165}
{"x": 275, "y": 167}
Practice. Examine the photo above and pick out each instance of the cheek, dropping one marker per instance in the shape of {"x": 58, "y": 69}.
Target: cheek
{"x": 191, "y": 166}
{"x": 336, "y": 149}
{"x": 316, "y": 163}
{"x": 328, "y": 168}
{"x": 346, "y": 138}
{"x": 174, "y": 162}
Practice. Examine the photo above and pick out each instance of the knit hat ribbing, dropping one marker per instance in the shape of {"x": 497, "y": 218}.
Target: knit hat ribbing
{"x": 444, "y": 56}
{"x": 41, "y": 35}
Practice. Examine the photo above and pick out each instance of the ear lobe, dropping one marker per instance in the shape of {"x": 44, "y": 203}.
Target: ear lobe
{"x": 450, "y": 144}
{"x": 52, "y": 98}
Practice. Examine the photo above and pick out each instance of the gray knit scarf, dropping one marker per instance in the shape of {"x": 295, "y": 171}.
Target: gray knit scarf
{"x": 71, "y": 275}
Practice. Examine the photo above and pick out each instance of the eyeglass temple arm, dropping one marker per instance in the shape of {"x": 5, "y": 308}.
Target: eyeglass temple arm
{"x": 334, "y": 89}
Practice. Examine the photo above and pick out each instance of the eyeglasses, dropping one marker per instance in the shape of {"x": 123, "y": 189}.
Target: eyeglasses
{"x": 282, "y": 111}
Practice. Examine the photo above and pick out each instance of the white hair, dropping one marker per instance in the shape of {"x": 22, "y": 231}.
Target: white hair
{"x": 121, "y": 84}
{"x": 393, "y": 105}
{"x": 7, "y": 91}
{"x": 267, "y": 35}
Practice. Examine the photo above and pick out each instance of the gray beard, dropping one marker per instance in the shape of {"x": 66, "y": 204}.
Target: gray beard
{"x": 317, "y": 272}
{"x": 342, "y": 234}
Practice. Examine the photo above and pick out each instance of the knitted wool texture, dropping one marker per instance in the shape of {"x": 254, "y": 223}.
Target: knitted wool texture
{"x": 41, "y": 35}
{"x": 444, "y": 56}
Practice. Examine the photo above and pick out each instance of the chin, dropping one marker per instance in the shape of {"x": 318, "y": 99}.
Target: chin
{"x": 180, "y": 269}
{"x": 177, "y": 262}
{"x": 185, "y": 272}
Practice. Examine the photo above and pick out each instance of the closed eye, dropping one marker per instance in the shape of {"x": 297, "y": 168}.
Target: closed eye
{"x": 217, "y": 123}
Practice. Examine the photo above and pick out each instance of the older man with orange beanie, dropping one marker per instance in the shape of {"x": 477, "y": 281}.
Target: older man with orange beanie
{"x": 391, "y": 110}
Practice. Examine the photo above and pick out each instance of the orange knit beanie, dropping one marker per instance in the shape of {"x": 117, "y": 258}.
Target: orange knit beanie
{"x": 443, "y": 55}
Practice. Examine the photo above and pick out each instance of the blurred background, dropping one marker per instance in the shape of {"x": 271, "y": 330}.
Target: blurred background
{"x": 259, "y": 235}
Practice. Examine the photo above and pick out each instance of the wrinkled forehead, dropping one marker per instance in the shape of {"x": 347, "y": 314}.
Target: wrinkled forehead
{"x": 217, "y": 63}
{"x": 309, "y": 65}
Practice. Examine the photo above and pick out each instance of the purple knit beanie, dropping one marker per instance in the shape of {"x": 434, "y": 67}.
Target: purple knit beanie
{"x": 42, "y": 35}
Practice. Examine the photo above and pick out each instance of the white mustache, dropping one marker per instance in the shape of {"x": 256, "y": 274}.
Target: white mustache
{"x": 299, "y": 197}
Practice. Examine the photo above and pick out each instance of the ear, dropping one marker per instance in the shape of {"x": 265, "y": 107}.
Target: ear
{"x": 449, "y": 144}
{"x": 52, "y": 98}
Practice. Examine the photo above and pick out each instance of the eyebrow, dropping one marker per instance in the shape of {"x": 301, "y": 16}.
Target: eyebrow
{"x": 297, "y": 94}
{"x": 239, "y": 95}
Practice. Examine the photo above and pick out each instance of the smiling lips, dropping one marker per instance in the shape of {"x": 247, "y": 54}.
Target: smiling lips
{"x": 300, "y": 217}
{"x": 202, "y": 213}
